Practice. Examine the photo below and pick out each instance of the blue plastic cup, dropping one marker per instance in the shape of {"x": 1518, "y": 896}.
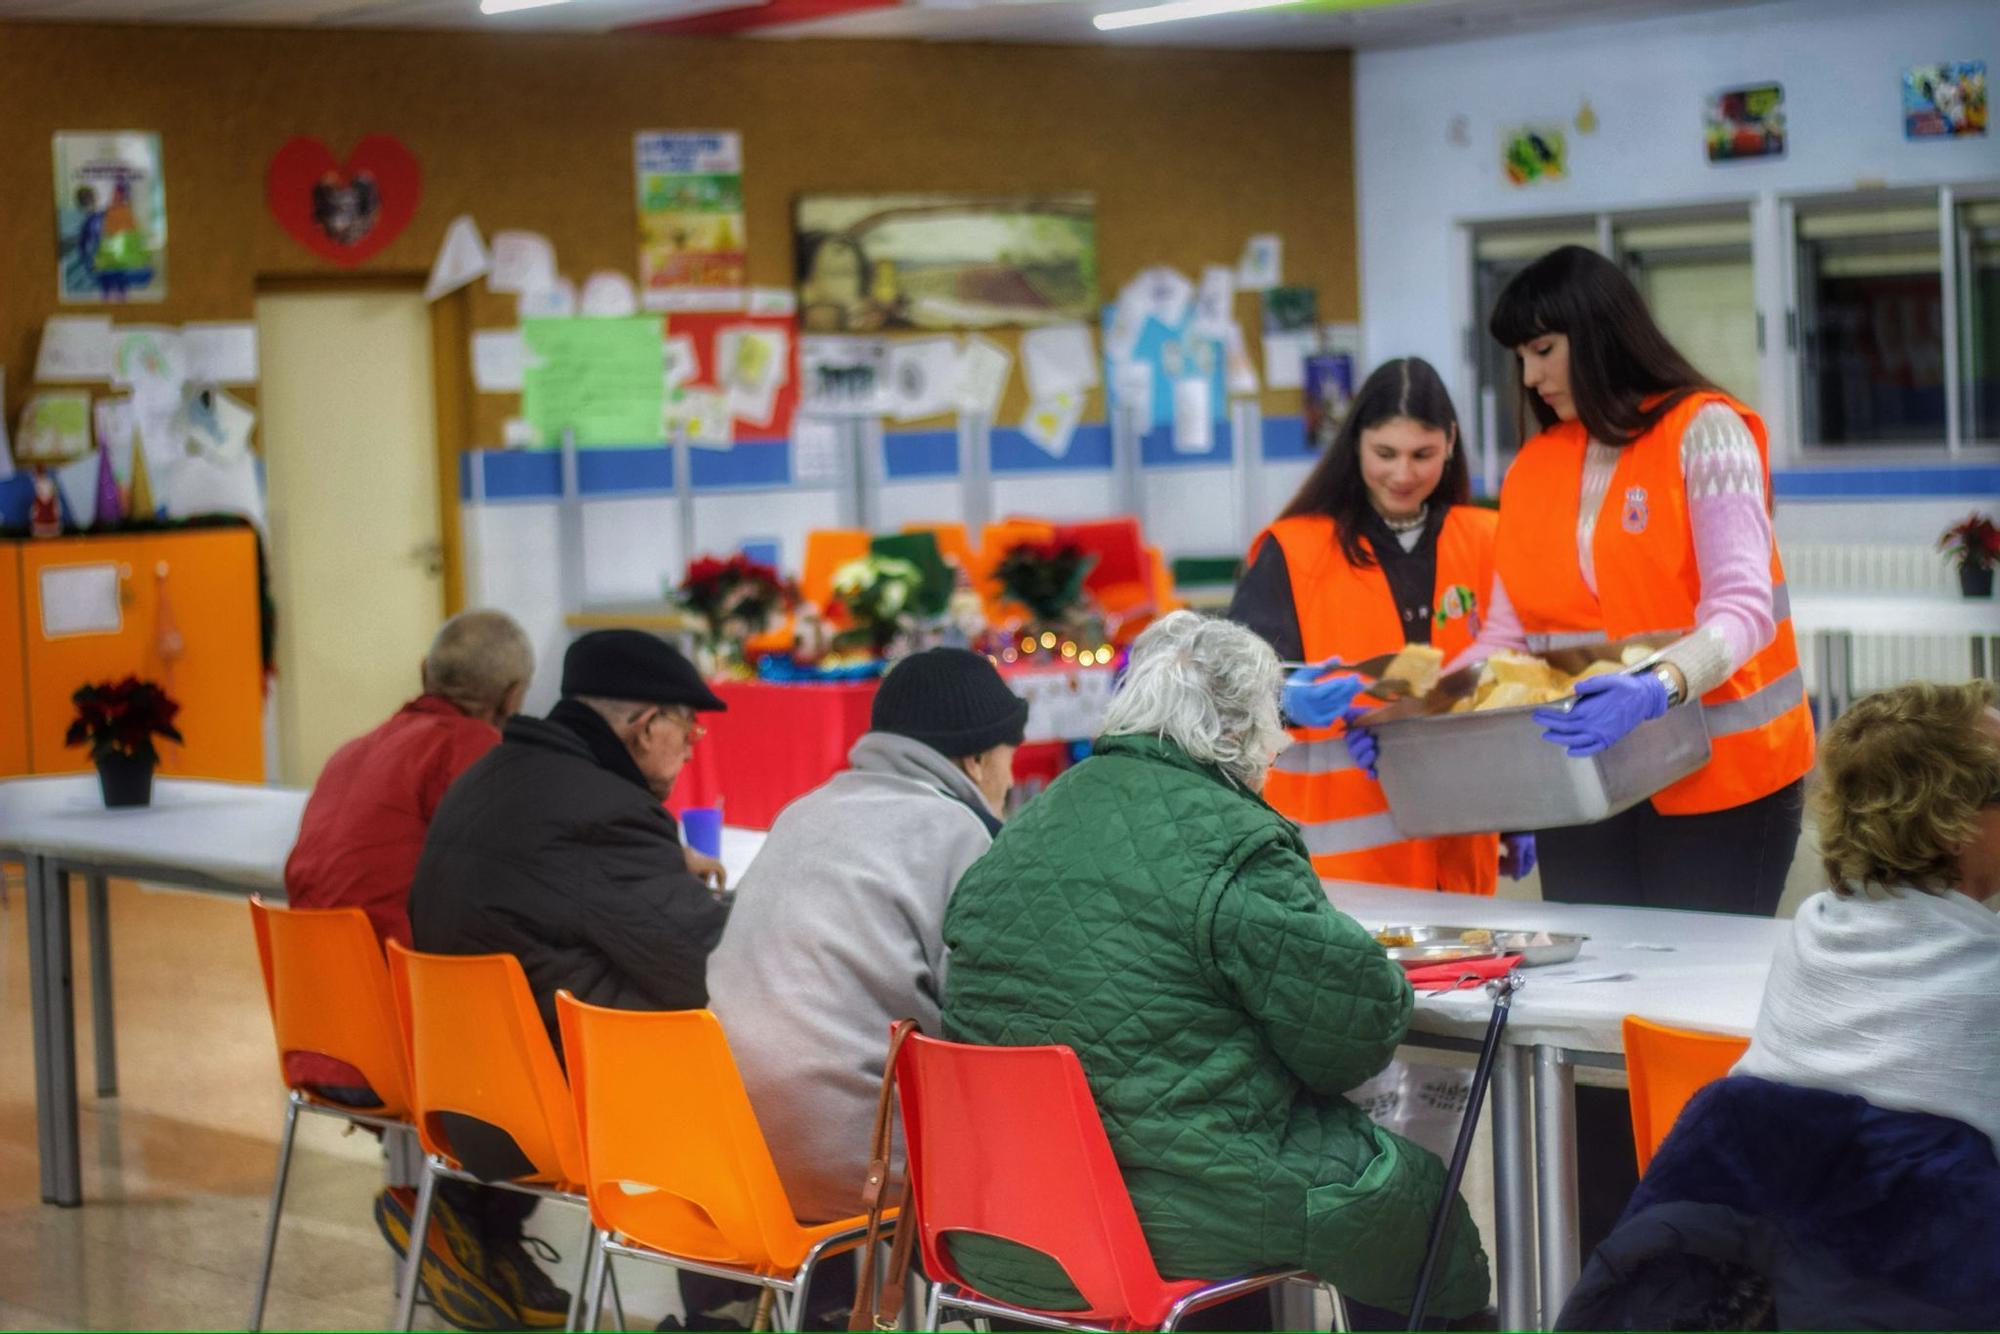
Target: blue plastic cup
{"x": 701, "y": 829}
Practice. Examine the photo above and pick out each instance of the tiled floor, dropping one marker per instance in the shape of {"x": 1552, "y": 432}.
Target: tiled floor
{"x": 177, "y": 1169}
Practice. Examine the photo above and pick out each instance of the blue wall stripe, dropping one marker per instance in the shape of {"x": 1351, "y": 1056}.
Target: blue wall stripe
{"x": 1156, "y": 448}
{"x": 907, "y": 454}
{"x": 751, "y": 463}
{"x": 1089, "y": 450}
{"x": 1886, "y": 483}
{"x": 1285, "y": 439}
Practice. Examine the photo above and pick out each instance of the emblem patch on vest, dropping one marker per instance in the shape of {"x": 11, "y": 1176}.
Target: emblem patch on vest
{"x": 1458, "y": 600}
{"x": 1635, "y": 509}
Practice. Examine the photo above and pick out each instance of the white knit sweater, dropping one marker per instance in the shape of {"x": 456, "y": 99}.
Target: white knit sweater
{"x": 1895, "y": 998}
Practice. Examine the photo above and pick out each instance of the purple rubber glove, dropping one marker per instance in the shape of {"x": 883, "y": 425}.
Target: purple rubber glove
{"x": 1361, "y": 747}
{"x": 1517, "y": 855}
{"x": 1311, "y": 702}
{"x": 1606, "y": 709}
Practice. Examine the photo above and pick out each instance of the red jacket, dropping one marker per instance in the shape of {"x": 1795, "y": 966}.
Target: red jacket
{"x": 364, "y": 828}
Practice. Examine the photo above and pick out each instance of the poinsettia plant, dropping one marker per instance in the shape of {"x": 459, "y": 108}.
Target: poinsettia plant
{"x": 1972, "y": 543}
{"x": 1046, "y": 577}
{"x": 738, "y": 597}
{"x": 122, "y": 719}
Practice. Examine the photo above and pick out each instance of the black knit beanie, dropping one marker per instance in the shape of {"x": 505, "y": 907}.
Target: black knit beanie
{"x": 952, "y": 700}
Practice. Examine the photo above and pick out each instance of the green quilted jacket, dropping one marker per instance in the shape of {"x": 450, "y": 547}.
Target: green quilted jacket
{"x": 1167, "y": 925}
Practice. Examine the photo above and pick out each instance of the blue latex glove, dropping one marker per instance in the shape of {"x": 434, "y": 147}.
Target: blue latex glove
{"x": 1311, "y": 702}
{"x": 1361, "y": 745}
{"x": 1606, "y": 709}
{"x": 1517, "y": 855}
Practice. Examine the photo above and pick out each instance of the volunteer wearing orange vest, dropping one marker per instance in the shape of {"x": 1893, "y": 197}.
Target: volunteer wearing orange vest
{"x": 1377, "y": 550}
{"x": 1642, "y": 507}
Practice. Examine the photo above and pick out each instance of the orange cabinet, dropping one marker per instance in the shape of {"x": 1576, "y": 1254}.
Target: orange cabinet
{"x": 179, "y": 608}
{"x": 13, "y": 674}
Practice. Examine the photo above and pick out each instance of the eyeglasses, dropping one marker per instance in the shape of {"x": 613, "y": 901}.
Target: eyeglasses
{"x": 685, "y": 717}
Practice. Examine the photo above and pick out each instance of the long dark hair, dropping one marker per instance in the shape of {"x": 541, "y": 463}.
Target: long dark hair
{"x": 1406, "y": 387}
{"x": 1618, "y": 359}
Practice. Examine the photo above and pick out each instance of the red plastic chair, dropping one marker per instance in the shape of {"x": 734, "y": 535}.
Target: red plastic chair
{"x": 1006, "y": 1141}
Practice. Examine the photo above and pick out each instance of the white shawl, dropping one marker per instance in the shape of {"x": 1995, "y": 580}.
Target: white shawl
{"x": 1896, "y": 999}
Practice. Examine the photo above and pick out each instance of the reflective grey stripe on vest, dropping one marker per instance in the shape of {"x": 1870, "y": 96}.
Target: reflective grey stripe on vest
{"x": 1781, "y": 603}
{"x": 1768, "y": 702}
{"x": 1314, "y": 757}
{"x": 1566, "y": 639}
{"x": 1327, "y": 837}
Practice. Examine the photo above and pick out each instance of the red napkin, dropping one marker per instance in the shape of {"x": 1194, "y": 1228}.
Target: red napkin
{"x": 1458, "y": 973}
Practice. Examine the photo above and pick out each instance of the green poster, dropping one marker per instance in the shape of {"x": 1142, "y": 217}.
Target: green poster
{"x": 603, "y": 379}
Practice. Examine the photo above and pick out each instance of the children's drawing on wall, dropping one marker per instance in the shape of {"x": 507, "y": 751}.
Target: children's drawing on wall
{"x": 345, "y": 211}
{"x": 1944, "y": 101}
{"x": 1745, "y": 123}
{"x": 111, "y": 217}
{"x": 693, "y": 247}
{"x": 1534, "y": 154}
{"x": 872, "y": 262}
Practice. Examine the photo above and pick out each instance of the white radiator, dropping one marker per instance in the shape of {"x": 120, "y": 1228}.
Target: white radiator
{"x": 1881, "y": 660}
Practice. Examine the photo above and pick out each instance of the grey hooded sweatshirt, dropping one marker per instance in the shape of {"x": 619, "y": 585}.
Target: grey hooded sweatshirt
{"x": 837, "y": 932}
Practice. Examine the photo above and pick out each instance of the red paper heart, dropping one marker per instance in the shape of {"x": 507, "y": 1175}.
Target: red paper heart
{"x": 344, "y": 211}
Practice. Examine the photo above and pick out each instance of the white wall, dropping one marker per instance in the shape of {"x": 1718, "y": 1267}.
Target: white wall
{"x": 1840, "y": 62}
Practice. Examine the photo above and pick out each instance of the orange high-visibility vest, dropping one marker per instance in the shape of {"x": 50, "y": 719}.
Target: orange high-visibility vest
{"x": 1759, "y": 724}
{"x": 1340, "y": 811}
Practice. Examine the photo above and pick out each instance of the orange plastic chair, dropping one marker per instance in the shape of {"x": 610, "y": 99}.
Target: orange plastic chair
{"x": 477, "y": 1047}
{"x": 827, "y": 549}
{"x": 1665, "y": 1067}
{"x": 676, "y": 1165}
{"x": 328, "y": 991}
{"x": 1007, "y": 1142}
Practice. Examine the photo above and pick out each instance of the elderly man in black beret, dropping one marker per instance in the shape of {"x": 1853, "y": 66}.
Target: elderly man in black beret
{"x": 553, "y": 847}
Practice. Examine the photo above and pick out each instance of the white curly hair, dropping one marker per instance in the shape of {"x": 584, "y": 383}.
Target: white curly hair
{"x": 1209, "y": 686}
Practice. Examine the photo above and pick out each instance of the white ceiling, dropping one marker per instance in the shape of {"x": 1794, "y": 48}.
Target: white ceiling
{"x": 1381, "y": 23}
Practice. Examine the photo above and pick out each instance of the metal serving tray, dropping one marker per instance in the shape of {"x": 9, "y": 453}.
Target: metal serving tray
{"x": 1470, "y": 773}
{"x": 1446, "y": 944}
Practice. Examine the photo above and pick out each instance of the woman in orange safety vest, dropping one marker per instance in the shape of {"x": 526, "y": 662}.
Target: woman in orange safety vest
{"x": 1378, "y": 550}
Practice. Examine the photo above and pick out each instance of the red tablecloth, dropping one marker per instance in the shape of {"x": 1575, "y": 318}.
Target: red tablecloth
{"x": 774, "y": 744}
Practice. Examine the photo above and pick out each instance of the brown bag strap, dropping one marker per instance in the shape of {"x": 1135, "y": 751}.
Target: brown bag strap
{"x": 868, "y": 1305}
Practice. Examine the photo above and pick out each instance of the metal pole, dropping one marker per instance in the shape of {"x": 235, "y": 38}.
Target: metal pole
{"x": 569, "y": 528}
{"x": 1514, "y": 1188}
{"x": 1128, "y": 486}
{"x": 53, "y": 1006}
{"x": 1555, "y": 1178}
{"x": 1502, "y": 989}
{"x": 975, "y": 469}
{"x": 103, "y": 1013}
{"x": 684, "y": 495}
{"x": 1247, "y": 468}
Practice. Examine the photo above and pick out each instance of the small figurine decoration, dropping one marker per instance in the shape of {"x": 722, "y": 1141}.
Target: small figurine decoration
{"x": 45, "y": 511}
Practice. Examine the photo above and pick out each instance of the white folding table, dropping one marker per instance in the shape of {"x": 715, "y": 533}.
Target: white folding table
{"x": 1690, "y": 969}
{"x": 227, "y": 838}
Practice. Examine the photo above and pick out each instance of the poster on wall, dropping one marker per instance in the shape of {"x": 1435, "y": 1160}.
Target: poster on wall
{"x": 844, "y": 377}
{"x": 867, "y": 263}
{"x": 693, "y": 251}
{"x": 1534, "y": 154}
{"x": 343, "y": 211}
{"x": 1944, "y": 101}
{"x": 111, "y": 217}
{"x": 1745, "y": 123}
{"x": 1329, "y": 386}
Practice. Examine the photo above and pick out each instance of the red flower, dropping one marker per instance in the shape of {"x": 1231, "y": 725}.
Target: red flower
{"x": 122, "y": 718}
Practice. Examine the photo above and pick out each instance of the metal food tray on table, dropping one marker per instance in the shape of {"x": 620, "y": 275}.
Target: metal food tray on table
{"x": 1448, "y": 944}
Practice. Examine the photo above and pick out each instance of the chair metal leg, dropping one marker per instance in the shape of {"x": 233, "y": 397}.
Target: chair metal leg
{"x": 617, "y": 1301}
{"x": 413, "y": 1257}
{"x": 593, "y": 1305}
{"x": 277, "y": 1208}
{"x": 103, "y": 1014}
{"x": 931, "y": 1303}
{"x": 590, "y": 1240}
{"x": 1340, "y": 1325}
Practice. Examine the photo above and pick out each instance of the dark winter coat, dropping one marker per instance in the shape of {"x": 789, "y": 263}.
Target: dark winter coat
{"x": 1776, "y": 1207}
{"x": 543, "y": 851}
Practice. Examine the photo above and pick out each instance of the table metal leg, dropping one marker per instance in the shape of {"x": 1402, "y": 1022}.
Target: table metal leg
{"x": 1513, "y": 1188}
{"x": 103, "y": 1020}
{"x": 54, "y": 1020}
{"x": 1555, "y": 1179}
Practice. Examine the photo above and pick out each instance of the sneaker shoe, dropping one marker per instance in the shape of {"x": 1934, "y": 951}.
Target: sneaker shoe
{"x": 537, "y": 1300}
{"x": 458, "y": 1291}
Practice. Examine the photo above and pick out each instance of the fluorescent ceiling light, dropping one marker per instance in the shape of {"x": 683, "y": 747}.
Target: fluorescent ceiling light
{"x": 509, "y": 6}
{"x": 1179, "y": 9}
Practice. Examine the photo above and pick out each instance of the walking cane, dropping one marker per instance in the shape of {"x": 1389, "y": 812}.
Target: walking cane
{"x": 1502, "y": 990}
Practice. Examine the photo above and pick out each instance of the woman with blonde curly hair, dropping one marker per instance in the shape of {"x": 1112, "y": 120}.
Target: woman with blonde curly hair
{"x": 1888, "y": 984}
